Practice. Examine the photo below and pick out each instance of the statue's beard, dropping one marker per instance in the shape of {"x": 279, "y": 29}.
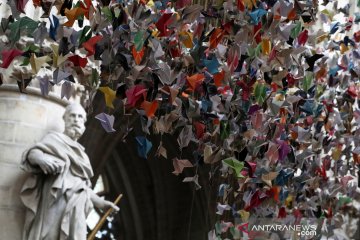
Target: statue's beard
{"x": 74, "y": 131}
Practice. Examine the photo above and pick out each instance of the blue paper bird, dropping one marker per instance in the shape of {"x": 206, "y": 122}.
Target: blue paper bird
{"x": 54, "y": 24}
{"x": 256, "y": 15}
{"x": 206, "y": 105}
{"x": 283, "y": 177}
{"x": 334, "y": 27}
{"x": 234, "y": 211}
{"x": 222, "y": 188}
{"x": 333, "y": 71}
{"x": 283, "y": 194}
{"x": 143, "y": 146}
{"x": 212, "y": 65}
{"x": 308, "y": 107}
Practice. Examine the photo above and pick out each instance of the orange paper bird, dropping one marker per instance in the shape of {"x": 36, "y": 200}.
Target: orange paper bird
{"x": 218, "y": 78}
{"x": 276, "y": 190}
{"x": 72, "y": 15}
{"x": 216, "y": 37}
{"x": 138, "y": 55}
{"x": 266, "y": 46}
{"x": 89, "y": 45}
{"x": 150, "y": 108}
{"x": 195, "y": 80}
{"x": 292, "y": 14}
{"x": 37, "y": 3}
{"x": 179, "y": 165}
{"x": 186, "y": 38}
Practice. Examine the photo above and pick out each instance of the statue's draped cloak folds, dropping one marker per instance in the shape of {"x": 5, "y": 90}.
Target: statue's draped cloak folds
{"x": 57, "y": 205}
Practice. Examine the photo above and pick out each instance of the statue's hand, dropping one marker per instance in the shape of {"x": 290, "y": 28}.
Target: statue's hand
{"x": 102, "y": 203}
{"x": 49, "y": 165}
{"x": 108, "y": 204}
{"x": 105, "y": 205}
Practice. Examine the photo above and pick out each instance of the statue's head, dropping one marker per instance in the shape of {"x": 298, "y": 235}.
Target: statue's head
{"x": 75, "y": 118}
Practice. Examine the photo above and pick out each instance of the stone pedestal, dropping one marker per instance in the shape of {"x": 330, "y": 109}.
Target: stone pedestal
{"x": 24, "y": 119}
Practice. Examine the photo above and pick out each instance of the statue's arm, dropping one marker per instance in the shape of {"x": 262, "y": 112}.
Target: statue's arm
{"x": 102, "y": 203}
{"x": 48, "y": 164}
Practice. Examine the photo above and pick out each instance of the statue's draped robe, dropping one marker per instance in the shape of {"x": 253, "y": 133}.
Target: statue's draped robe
{"x": 57, "y": 205}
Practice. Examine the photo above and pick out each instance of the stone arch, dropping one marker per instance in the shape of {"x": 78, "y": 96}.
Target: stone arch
{"x": 157, "y": 204}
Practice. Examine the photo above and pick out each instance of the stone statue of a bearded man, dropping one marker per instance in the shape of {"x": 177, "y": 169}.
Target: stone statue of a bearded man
{"x": 58, "y": 195}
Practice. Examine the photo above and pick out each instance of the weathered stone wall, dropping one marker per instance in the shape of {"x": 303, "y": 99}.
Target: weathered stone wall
{"x": 24, "y": 119}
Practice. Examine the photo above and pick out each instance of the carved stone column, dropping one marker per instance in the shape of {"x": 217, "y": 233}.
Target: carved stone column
{"x": 24, "y": 119}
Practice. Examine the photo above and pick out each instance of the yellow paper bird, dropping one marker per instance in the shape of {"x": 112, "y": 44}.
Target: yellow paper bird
{"x": 250, "y": 4}
{"x": 57, "y": 59}
{"x": 110, "y": 96}
{"x": 244, "y": 215}
{"x": 186, "y": 38}
{"x": 37, "y": 62}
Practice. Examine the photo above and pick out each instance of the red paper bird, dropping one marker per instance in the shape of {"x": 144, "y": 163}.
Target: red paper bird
{"x": 89, "y": 45}
{"x": 303, "y": 37}
{"x": 78, "y": 61}
{"x": 8, "y": 56}
{"x": 162, "y": 24}
{"x": 134, "y": 94}
{"x": 215, "y": 38}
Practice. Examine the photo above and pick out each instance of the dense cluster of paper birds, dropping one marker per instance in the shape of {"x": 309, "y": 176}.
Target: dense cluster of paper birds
{"x": 266, "y": 90}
